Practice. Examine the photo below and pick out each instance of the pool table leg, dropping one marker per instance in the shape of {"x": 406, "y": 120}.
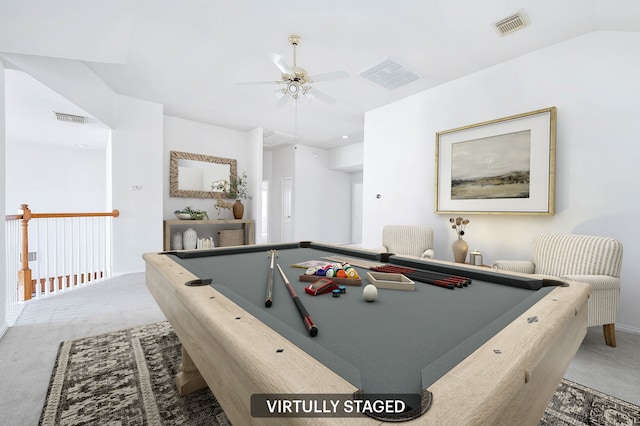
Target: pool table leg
{"x": 188, "y": 379}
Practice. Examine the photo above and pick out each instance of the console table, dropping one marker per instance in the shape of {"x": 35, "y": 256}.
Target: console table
{"x": 182, "y": 225}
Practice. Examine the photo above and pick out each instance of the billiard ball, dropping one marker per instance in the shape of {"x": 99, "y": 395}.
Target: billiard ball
{"x": 370, "y": 292}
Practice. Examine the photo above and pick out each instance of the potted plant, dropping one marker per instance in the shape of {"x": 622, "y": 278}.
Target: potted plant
{"x": 235, "y": 189}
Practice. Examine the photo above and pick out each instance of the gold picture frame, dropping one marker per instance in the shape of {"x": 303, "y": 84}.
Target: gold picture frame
{"x": 502, "y": 166}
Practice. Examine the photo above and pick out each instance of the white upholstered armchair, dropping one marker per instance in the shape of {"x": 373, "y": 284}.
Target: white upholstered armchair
{"x": 591, "y": 259}
{"x": 407, "y": 240}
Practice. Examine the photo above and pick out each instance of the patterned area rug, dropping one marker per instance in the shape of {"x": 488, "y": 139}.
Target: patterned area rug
{"x": 128, "y": 378}
{"x": 574, "y": 404}
{"x": 125, "y": 378}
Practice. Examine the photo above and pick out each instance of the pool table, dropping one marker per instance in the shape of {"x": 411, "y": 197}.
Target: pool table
{"x": 492, "y": 352}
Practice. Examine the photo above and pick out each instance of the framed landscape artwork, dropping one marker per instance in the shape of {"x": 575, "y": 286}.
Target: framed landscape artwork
{"x": 502, "y": 166}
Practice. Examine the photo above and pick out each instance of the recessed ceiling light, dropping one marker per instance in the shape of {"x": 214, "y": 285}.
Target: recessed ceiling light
{"x": 345, "y": 137}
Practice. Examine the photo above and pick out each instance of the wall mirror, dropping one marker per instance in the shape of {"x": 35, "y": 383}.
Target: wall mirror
{"x": 192, "y": 175}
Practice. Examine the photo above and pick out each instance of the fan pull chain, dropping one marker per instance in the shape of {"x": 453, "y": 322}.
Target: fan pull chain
{"x": 295, "y": 128}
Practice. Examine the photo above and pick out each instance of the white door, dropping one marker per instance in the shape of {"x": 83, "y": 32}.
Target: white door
{"x": 287, "y": 209}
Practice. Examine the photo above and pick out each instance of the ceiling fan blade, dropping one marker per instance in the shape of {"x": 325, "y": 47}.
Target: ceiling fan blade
{"x": 316, "y": 94}
{"x": 334, "y": 75}
{"x": 251, "y": 83}
{"x": 281, "y": 64}
{"x": 284, "y": 99}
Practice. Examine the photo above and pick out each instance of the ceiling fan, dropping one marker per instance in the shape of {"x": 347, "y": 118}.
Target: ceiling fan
{"x": 296, "y": 80}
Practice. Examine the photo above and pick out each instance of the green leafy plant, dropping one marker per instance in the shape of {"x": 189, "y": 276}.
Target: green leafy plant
{"x": 195, "y": 214}
{"x": 235, "y": 188}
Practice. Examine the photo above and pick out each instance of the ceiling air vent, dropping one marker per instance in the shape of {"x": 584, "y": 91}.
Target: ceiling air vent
{"x": 389, "y": 74}
{"x": 70, "y": 118}
{"x": 512, "y": 23}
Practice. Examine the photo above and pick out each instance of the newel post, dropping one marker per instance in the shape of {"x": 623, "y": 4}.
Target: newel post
{"x": 24, "y": 274}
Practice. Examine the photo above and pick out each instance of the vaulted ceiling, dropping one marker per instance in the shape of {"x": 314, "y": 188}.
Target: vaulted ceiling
{"x": 189, "y": 55}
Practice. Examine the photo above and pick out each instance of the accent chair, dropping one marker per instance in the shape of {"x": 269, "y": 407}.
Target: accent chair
{"x": 591, "y": 259}
{"x": 408, "y": 240}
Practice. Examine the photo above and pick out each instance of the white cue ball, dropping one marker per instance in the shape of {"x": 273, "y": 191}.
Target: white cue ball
{"x": 370, "y": 292}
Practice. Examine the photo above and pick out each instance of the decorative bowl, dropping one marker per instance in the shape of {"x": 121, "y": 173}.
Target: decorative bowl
{"x": 199, "y": 215}
{"x": 183, "y": 216}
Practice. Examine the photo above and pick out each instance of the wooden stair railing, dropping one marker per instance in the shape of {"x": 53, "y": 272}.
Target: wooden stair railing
{"x": 25, "y": 281}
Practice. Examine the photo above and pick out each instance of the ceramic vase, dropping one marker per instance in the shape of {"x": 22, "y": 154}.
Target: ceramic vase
{"x": 460, "y": 249}
{"x": 176, "y": 243}
{"x": 189, "y": 239}
{"x": 238, "y": 210}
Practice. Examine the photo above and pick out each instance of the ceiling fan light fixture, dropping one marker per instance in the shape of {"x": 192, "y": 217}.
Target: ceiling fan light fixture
{"x": 295, "y": 81}
{"x": 293, "y": 89}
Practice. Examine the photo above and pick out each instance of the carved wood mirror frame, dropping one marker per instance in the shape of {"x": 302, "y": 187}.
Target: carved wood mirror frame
{"x": 174, "y": 190}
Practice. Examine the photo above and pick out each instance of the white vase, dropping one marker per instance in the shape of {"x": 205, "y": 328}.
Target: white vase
{"x": 189, "y": 239}
{"x": 176, "y": 243}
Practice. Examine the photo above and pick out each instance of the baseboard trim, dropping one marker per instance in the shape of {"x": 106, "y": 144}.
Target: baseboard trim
{"x": 627, "y": 329}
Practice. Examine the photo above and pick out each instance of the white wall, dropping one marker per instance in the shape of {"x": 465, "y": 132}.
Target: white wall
{"x": 254, "y": 168}
{"x": 593, "y": 81}
{"x": 347, "y": 158}
{"x": 3, "y": 287}
{"x": 56, "y": 178}
{"x": 135, "y": 157}
{"x": 73, "y": 80}
{"x": 267, "y": 174}
{"x": 199, "y": 138}
{"x": 136, "y": 160}
{"x": 322, "y": 198}
{"x": 283, "y": 165}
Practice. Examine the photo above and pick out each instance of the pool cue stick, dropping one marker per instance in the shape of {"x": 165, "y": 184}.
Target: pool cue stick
{"x": 269, "y": 299}
{"x": 432, "y": 281}
{"x": 453, "y": 280}
{"x": 306, "y": 318}
{"x": 456, "y": 280}
{"x": 443, "y": 278}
